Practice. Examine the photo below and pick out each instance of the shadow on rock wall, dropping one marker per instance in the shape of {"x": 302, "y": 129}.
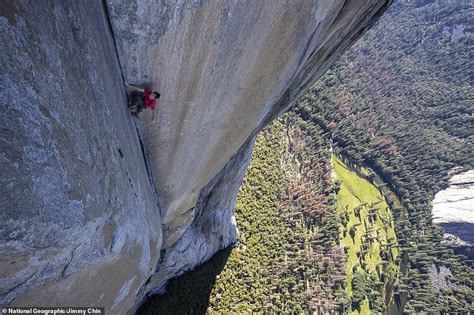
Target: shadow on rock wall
{"x": 465, "y": 232}
{"x": 190, "y": 293}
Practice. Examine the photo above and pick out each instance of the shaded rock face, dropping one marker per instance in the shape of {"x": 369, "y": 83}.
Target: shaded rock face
{"x": 98, "y": 215}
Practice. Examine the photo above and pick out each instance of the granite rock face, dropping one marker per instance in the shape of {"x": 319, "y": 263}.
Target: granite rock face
{"x": 224, "y": 68}
{"x": 453, "y": 209}
{"x": 456, "y": 203}
{"x": 80, "y": 221}
{"x": 98, "y": 214}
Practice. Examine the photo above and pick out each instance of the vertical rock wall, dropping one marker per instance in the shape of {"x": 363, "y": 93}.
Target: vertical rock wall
{"x": 224, "y": 69}
{"x": 80, "y": 222}
{"x": 83, "y": 225}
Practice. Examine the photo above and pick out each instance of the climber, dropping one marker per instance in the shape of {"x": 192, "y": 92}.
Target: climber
{"x": 141, "y": 98}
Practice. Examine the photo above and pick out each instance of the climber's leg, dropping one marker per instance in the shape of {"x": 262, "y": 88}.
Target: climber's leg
{"x": 133, "y": 98}
{"x": 136, "y": 103}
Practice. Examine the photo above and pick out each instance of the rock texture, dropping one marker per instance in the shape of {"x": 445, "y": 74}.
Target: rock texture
{"x": 80, "y": 221}
{"x": 95, "y": 214}
{"x": 453, "y": 209}
{"x": 224, "y": 69}
{"x": 456, "y": 203}
{"x": 439, "y": 276}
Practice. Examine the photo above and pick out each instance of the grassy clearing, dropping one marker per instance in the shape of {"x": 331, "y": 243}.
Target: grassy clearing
{"x": 287, "y": 262}
{"x": 367, "y": 233}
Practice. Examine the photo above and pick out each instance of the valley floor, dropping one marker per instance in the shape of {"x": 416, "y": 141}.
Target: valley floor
{"x": 295, "y": 254}
{"x": 368, "y": 234}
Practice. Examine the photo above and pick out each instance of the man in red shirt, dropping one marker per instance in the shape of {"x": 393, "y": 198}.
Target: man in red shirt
{"x": 142, "y": 98}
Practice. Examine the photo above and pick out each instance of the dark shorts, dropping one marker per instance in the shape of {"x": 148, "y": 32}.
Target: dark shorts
{"x": 137, "y": 100}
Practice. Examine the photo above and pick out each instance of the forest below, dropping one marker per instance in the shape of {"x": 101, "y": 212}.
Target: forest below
{"x": 401, "y": 102}
{"x": 335, "y": 212}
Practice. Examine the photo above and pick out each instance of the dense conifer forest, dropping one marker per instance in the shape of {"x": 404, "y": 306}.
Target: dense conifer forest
{"x": 401, "y": 102}
{"x": 335, "y": 210}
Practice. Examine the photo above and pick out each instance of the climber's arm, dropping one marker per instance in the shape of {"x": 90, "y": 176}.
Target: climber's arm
{"x": 134, "y": 87}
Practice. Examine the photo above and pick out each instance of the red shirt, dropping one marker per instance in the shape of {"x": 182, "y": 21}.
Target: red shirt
{"x": 149, "y": 102}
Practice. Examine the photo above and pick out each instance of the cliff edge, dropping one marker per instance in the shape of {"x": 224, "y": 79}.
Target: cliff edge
{"x": 101, "y": 209}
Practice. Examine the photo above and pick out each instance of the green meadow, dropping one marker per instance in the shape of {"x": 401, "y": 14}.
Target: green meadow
{"x": 369, "y": 238}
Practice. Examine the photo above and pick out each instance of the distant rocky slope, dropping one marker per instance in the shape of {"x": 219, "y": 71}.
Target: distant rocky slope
{"x": 453, "y": 209}
{"x": 98, "y": 214}
{"x": 456, "y": 203}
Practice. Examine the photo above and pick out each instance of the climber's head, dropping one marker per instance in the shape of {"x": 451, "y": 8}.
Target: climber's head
{"x": 156, "y": 95}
